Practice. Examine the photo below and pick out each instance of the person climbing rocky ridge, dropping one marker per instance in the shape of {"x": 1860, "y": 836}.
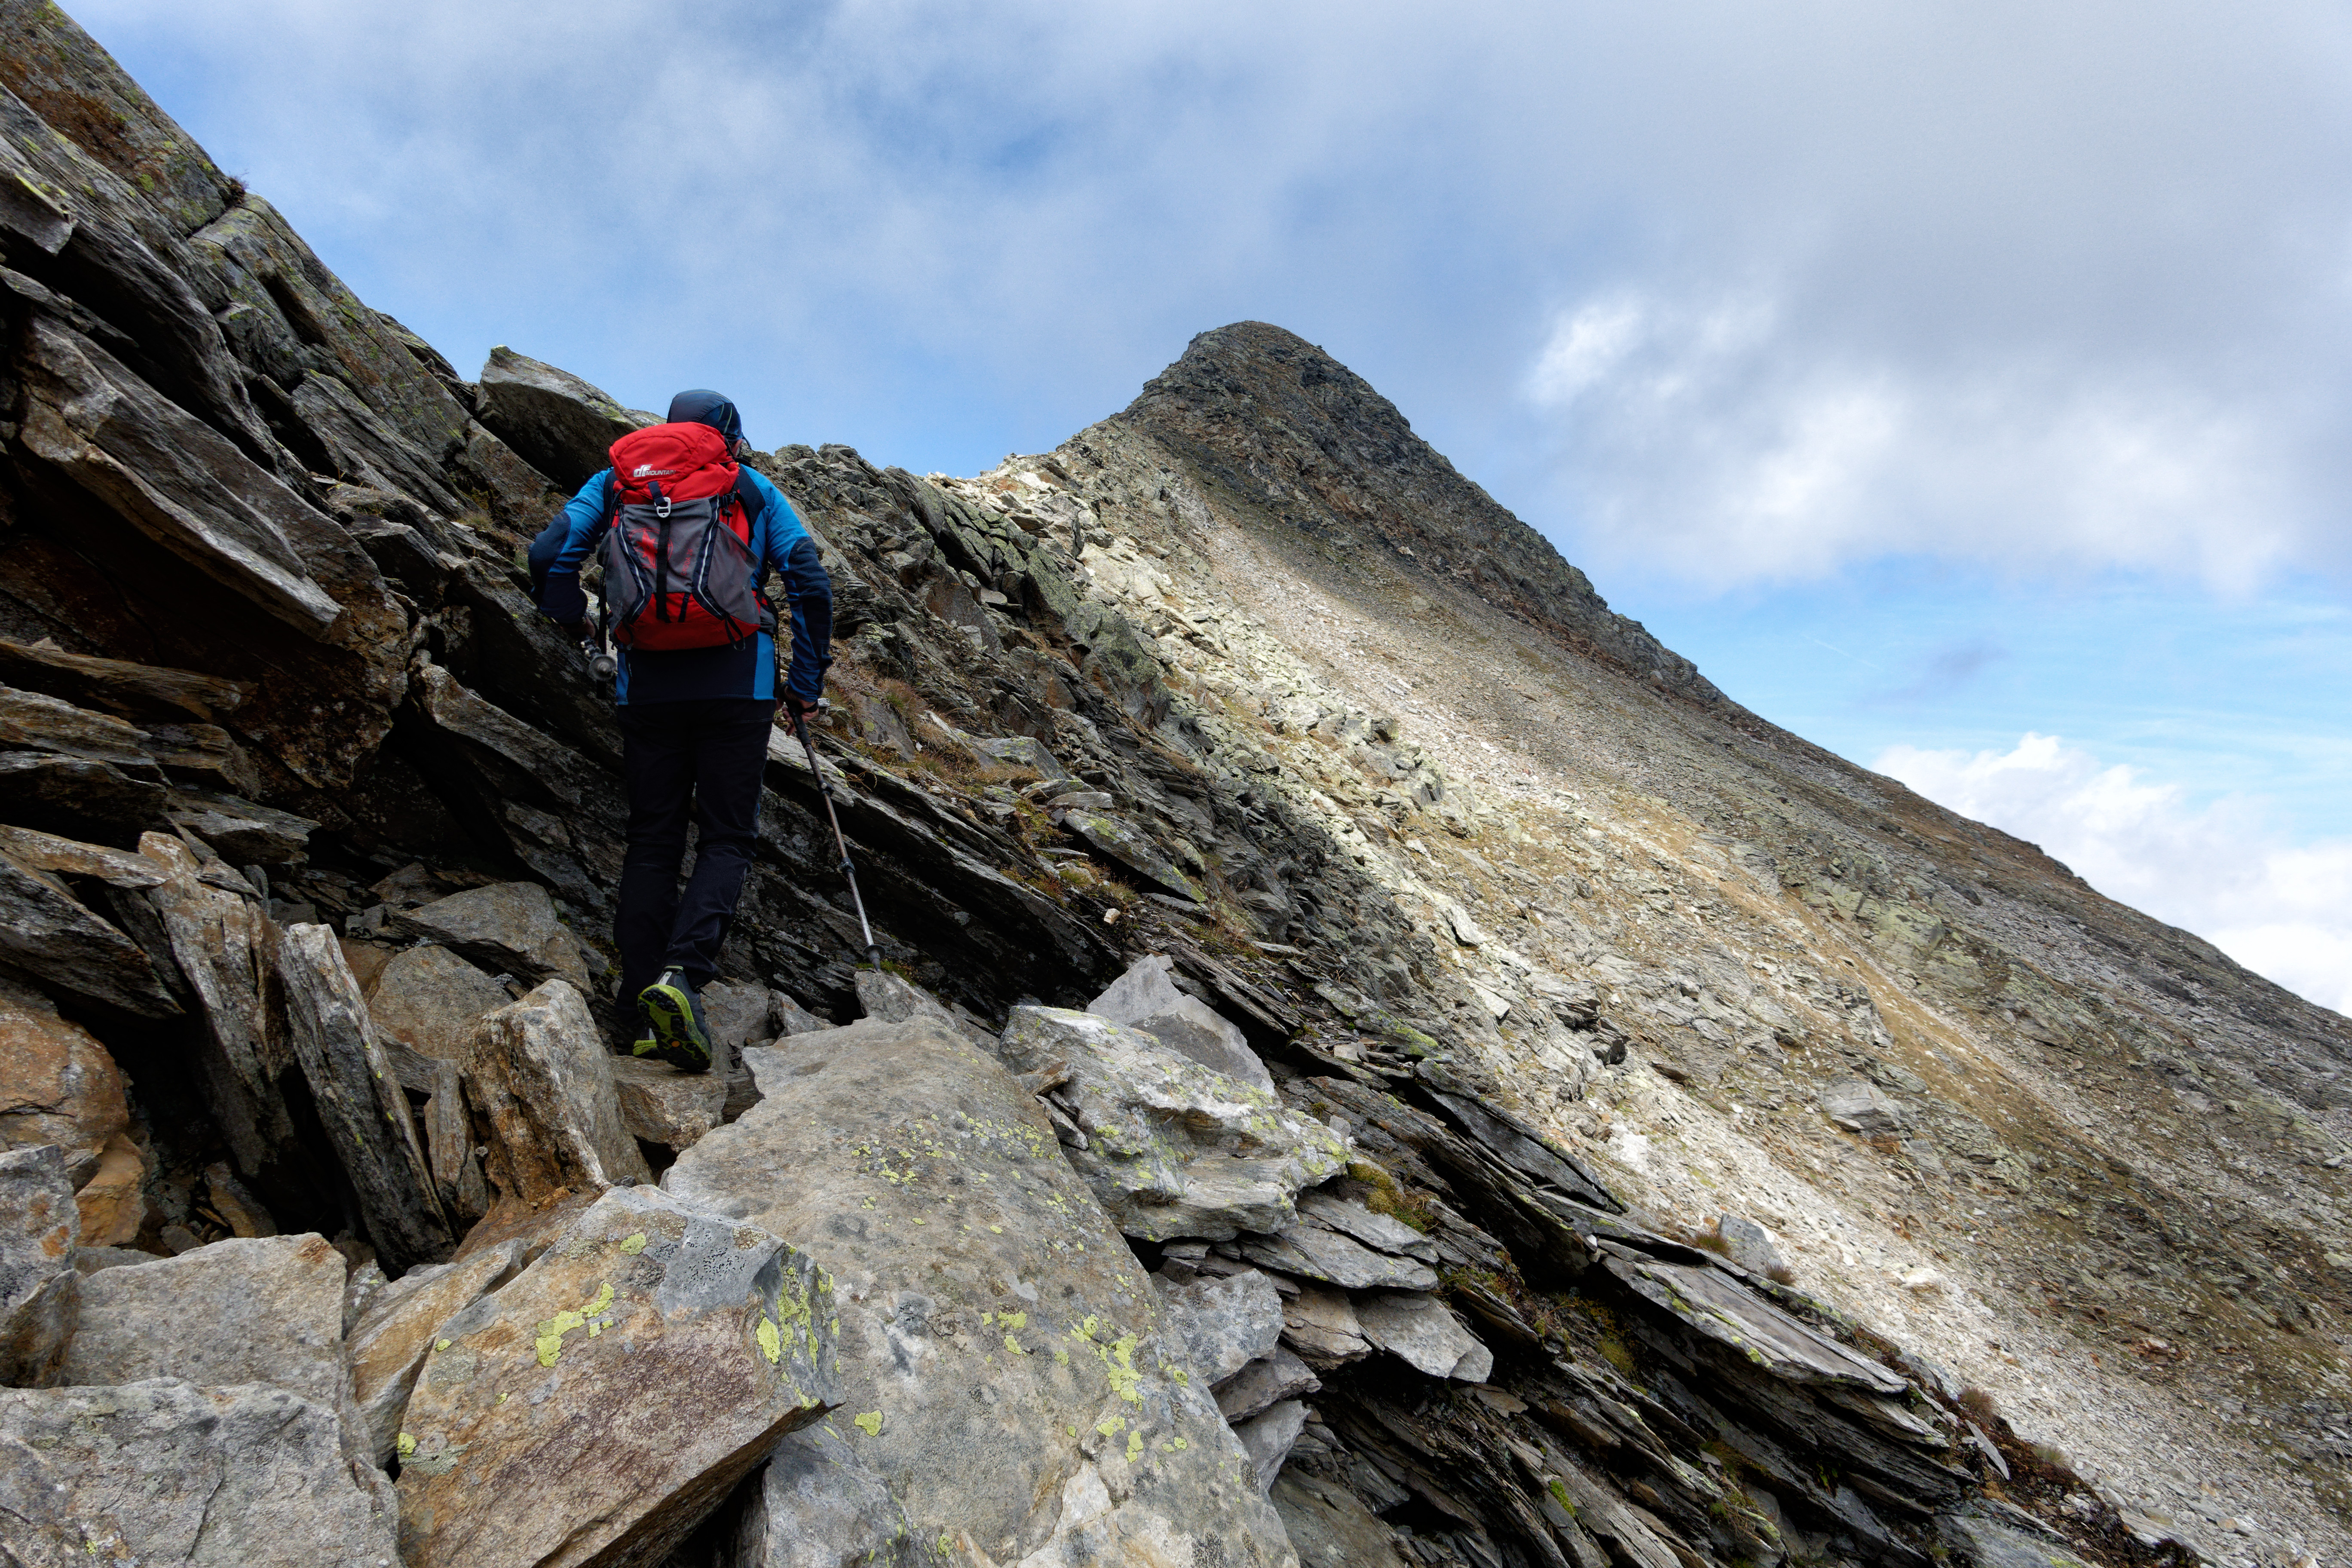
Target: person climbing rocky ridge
{"x": 1376, "y": 1060}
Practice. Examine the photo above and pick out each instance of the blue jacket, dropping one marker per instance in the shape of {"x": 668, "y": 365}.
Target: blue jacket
{"x": 779, "y": 541}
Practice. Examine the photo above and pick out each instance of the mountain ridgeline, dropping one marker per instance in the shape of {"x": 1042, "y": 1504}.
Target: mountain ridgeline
{"x": 1376, "y": 1061}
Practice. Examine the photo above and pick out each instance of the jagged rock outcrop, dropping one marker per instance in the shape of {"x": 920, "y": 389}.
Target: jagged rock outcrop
{"x": 1496, "y": 960}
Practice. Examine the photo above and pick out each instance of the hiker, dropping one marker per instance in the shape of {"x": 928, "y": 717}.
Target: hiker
{"x": 688, "y": 535}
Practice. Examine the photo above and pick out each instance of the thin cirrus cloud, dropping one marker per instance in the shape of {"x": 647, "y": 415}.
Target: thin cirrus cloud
{"x": 2282, "y": 908}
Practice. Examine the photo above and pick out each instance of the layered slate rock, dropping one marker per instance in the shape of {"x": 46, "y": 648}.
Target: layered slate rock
{"x": 601, "y": 1405}
{"x": 985, "y": 1307}
{"x": 1173, "y": 1149}
{"x": 163, "y": 1471}
{"x": 559, "y": 424}
{"x": 1419, "y": 1330}
{"x": 1145, "y": 998}
{"x": 39, "y": 1287}
{"x": 542, "y": 1081}
{"x": 1721, "y": 1311}
{"x": 359, "y": 1100}
{"x": 268, "y": 1310}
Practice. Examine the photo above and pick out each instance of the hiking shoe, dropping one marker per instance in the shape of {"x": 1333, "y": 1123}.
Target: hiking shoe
{"x": 673, "y": 1015}
{"x": 646, "y": 1044}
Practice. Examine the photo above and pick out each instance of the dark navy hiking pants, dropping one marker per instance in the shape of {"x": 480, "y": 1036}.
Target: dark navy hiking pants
{"x": 701, "y": 758}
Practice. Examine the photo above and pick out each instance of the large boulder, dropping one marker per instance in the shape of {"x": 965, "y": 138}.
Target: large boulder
{"x": 162, "y": 1472}
{"x": 601, "y": 1405}
{"x": 559, "y": 424}
{"x": 987, "y": 1307}
{"x": 541, "y": 1080}
{"x": 1145, "y": 998}
{"x": 38, "y": 1283}
{"x": 510, "y": 926}
{"x": 388, "y": 1344}
{"x": 1173, "y": 1149}
{"x": 430, "y": 999}
{"x": 266, "y": 1310}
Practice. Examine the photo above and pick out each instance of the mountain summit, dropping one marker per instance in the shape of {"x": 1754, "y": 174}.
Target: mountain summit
{"x": 1271, "y": 423}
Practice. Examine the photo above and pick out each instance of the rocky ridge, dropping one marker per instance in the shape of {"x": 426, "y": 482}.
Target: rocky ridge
{"x": 1285, "y": 1130}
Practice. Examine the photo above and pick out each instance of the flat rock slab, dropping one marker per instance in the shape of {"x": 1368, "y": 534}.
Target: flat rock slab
{"x": 1329, "y": 1524}
{"x": 1382, "y": 1232}
{"x": 1309, "y": 1251}
{"x": 1145, "y": 998}
{"x": 265, "y": 1311}
{"x": 1720, "y": 1308}
{"x": 737, "y": 1017}
{"x": 39, "y": 1284}
{"x": 1219, "y": 1326}
{"x": 430, "y": 999}
{"x": 1420, "y": 1330}
{"x": 507, "y": 926}
{"x": 161, "y": 1471}
{"x": 1132, "y": 847}
{"x": 540, "y": 1075}
{"x": 895, "y": 999}
{"x": 818, "y": 1504}
{"x": 1005, "y": 1361}
{"x": 1174, "y": 1149}
{"x": 602, "y": 1404}
{"x": 1751, "y": 1245}
{"x": 559, "y": 424}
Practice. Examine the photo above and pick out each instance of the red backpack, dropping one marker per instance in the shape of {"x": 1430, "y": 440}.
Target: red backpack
{"x": 678, "y": 567}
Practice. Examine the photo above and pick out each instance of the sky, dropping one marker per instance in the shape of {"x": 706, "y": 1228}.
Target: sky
{"x": 1963, "y": 384}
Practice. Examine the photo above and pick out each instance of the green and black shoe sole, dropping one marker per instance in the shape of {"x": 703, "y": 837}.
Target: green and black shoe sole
{"x": 678, "y": 1038}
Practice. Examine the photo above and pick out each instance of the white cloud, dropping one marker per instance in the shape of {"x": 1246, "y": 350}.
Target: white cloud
{"x": 2283, "y": 909}
{"x": 1727, "y": 291}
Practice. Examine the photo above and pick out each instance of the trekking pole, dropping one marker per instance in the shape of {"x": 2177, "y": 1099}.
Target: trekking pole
{"x": 848, "y": 871}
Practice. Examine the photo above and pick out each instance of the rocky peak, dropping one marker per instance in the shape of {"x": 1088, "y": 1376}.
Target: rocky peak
{"x": 1279, "y": 430}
